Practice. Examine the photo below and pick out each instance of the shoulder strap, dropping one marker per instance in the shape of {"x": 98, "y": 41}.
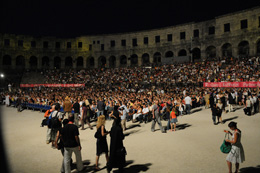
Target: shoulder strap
{"x": 56, "y": 114}
{"x": 226, "y": 135}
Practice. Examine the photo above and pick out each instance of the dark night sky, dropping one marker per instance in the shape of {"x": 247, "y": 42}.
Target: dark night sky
{"x": 84, "y": 17}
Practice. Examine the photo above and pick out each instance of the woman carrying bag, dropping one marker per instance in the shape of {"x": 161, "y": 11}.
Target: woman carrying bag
{"x": 236, "y": 154}
{"x": 101, "y": 139}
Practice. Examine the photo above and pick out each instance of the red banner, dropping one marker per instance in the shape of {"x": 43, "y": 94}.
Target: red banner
{"x": 231, "y": 84}
{"x": 51, "y": 85}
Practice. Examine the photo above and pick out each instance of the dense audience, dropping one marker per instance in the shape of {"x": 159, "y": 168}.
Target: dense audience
{"x": 138, "y": 86}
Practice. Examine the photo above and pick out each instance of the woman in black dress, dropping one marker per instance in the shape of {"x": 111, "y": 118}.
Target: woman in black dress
{"x": 117, "y": 150}
{"x": 101, "y": 136}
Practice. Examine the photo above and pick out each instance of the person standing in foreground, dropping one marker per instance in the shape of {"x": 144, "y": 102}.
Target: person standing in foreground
{"x": 236, "y": 154}
{"x": 117, "y": 150}
{"x": 67, "y": 106}
{"x": 188, "y": 103}
{"x": 123, "y": 110}
{"x": 173, "y": 119}
{"x": 71, "y": 141}
{"x": 76, "y": 108}
{"x": 156, "y": 117}
{"x": 101, "y": 139}
{"x": 54, "y": 126}
{"x": 59, "y": 145}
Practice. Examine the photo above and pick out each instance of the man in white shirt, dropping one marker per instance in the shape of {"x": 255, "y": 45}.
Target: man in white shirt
{"x": 123, "y": 110}
{"x": 188, "y": 103}
{"x": 145, "y": 112}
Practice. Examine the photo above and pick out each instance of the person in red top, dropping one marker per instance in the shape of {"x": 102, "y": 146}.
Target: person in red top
{"x": 173, "y": 119}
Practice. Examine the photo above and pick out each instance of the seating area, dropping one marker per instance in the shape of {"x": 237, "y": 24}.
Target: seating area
{"x": 35, "y": 107}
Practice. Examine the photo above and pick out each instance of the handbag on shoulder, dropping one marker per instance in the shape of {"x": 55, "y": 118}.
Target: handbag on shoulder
{"x": 226, "y": 146}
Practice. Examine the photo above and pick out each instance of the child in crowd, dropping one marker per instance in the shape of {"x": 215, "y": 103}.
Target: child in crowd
{"x": 173, "y": 119}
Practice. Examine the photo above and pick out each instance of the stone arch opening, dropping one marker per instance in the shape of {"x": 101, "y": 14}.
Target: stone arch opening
{"x": 102, "y": 61}
{"x": 57, "y": 62}
{"x": 68, "y": 61}
{"x": 123, "y": 60}
{"x": 258, "y": 48}
{"x": 90, "y": 62}
{"x": 243, "y": 49}
{"x": 196, "y": 55}
{"x": 33, "y": 62}
{"x": 169, "y": 54}
{"x": 182, "y": 52}
{"x": 226, "y": 50}
{"x": 45, "y": 62}
{"x": 145, "y": 59}
{"x": 112, "y": 61}
{"x": 157, "y": 57}
{"x": 80, "y": 62}
{"x": 20, "y": 61}
{"x": 134, "y": 60}
{"x": 211, "y": 52}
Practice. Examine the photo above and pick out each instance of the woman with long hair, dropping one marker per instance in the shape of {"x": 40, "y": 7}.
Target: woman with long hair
{"x": 236, "y": 154}
{"x": 117, "y": 150}
{"x": 101, "y": 136}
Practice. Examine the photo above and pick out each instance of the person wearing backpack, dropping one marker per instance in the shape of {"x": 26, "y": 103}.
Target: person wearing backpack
{"x": 47, "y": 115}
{"x": 54, "y": 123}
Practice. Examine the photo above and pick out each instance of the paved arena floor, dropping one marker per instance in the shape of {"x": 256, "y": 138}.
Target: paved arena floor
{"x": 194, "y": 147}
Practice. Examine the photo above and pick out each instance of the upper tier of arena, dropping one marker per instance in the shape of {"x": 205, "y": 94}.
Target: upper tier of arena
{"x": 231, "y": 35}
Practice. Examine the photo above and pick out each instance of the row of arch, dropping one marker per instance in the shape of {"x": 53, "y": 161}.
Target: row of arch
{"x": 226, "y": 50}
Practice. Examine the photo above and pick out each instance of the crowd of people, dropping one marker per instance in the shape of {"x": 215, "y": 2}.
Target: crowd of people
{"x": 142, "y": 94}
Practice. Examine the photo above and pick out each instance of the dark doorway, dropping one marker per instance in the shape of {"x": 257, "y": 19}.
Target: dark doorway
{"x": 68, "y": 61}
{"x": 45, "y": 62}
{"x": 112, "y": 62}
{"x": 145, "y": 59}
{"x": 57, "y": 62}
{"x": 123, "y": 60}
{"x": 80, "y": 62}
{"x": 33, "y": 62}
{"x": 20, "y": 62}
{"x": 102, "y": 62}
{"x": 134, "y": 60}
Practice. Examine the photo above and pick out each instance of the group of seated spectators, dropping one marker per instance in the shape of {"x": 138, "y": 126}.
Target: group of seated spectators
{"x": 228, "y": 70}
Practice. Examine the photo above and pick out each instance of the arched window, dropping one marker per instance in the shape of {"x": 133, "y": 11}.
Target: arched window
{"x": 169, "y": 54}
{"x": 182, "y": 52}
{"x": 57, "y": 62}
{"x": 145, "y": 59}
{"x": 226, "y": 50}
{"x": 80, "y": 61}
{"x": 33, "y": 62}
{"x": 112, "y": 61}
{"x": 68, "y": 61}
{"x": 45, "y": 62}
{"x": 134, "y": 60}
{"x": 243, "y": 48}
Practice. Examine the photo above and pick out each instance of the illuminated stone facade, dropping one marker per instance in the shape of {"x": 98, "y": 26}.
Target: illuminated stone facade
{"x": 236, "y": 34}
